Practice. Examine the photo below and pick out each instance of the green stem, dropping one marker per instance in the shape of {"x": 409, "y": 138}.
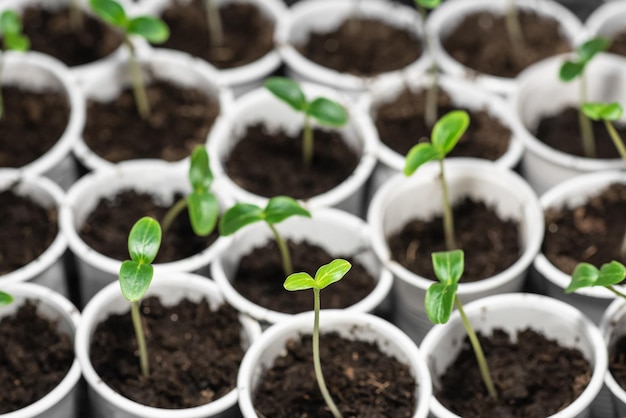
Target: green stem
{"x": 478, "y": 350}
{"x": 430, "y": 113}
{"x": 586, "y": 129}
{"x": 513, "y": 26}
{"x": 617, "y": 292}
{"x": 448, "y": 220}
{"x": 284, "y": 251}
{"x": 141, "y": 341}
{"x": 214, "y": 20}
{"x": 139, "y": 89}
{"x": 307, "y": 142}
{"x": 172, "y": 213}
{"x": 617, "y": 140}
{"x": 316, "y": 358}
{"x": 76, "y": 17}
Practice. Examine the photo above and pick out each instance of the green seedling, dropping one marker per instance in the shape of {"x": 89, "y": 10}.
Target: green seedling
{"x": 445, "y": 135}
{"x": 5, "y": 298}
{"x": 277, "y": 210}
{"x": 607, "y": 112}
{"x": 151, "y": 28}
{"x": 202, "y": 205}
{"x": 573, "y": 69}
{"x": 136, "y": 274}
{"x": 441, "y": 298}
{"x": 13, "y": 39}
{"x": 325, "y": 276}
{"x": 430, "y": 113}
{"x": 587, "y": 275}
{"x": 323, "y": 110}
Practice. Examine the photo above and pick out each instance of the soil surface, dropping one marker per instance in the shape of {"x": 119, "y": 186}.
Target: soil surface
{"x": 617, "y": 361}
{"x": 590, "y": 233}
{"x": 248, "y": 33}
{"x": 248, "y": 162}
{"x": 618, "y": 44}
{"x": 107, "y": 226}
{"x": 362, "y": 381}
{"x": 491, "y": 244}
{"x": 401, "y": 125}
{"x": 34, "y": 357}
{"x": 562, "y": 132}
{"x": 534, "y": 377}
{"x": 260, "y": 278}
{"x": 481, "y": 42}
{"x": 26, "y": 230}
{"x": 180, "y": 119}
{"x": 31, "y": 124}
{"x": 194, "y": 353}
{"x": 368, "y": 48}
{"x": 52, "y": 32}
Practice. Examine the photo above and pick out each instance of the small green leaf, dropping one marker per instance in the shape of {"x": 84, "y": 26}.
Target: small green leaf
{"x": 448, "y": 130}
{"x": 327, "y": 112}
{"x": 331, "y": 273}
{"x": 110, "y": 11}
{"x": 585, "y": 275}
{"x": 418, "y": 155}
{"x": 603, "y": 111}
{"x": 135, "y": 279}
{"x": 288, "y": 91}
{"x": 280, "y": 208}
{"x": 299, "y": 281}
{"x": 448, "y": 265}
{"x": 238, "y": 216}
{"x": 589, "y": 49}
{"x": 428, "y": 4}
{"x": 200, "y": 175}
{"x": 439, "y": 301}
{"x": 10, "y": 23}
{"x": 144, "y": 240}
{"x": 570, "y": 70}
{"x": 16, "y": 42}
{"x": 203, "y": 212}
{"x": 151, "y": 28}
{"x": 5, "y": 298}
{"x": 611, "y": 273}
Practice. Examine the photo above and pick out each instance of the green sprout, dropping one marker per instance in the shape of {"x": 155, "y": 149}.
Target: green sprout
{"x": 277, "y": 210}
{"x": 151, "y": 28}
{"x": 607, "y": 112}
{"x": 5, "y": 298}
{"x": 325, "y": 276}
{"x": 136, "y": 274}
{"x": 214, "y": 21}
{"x": 572, "y": 69}
{"x": 441, "y": 298}
{"x": 323, "y": 110}
{"x": 202, "y": 205}
{"x": 587, "y": 275}
{"x": 430, "y": 113}
{"x": 445, "y": 135}
{"x": 13, "y": 39}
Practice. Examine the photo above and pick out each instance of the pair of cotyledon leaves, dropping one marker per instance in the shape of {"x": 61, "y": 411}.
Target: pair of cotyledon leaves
{"x": 11, "y": 29}
{"x": 151, "y": 28}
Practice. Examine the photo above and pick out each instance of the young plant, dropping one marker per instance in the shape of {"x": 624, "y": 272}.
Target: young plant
{"x": 587, "y": 275}
{"x": 607, "y": 112}
{"x": 151, "y": 28}
{"x": 445, "y": 135}
{"x": 572, "y": 69}
{"x": 323, "y": 110}
{"x": 325, "y": 275}
{"x": 136, "y": 274}
{"x": 12, "y": 39}
{"x": 277, "y": 210}
{"x": 430, "y": 113}
{"x": 214, "y": 22}
{"x": 441, "y": 298}
{"x": 5, "y": 298}
{"x": 202, "y": 205}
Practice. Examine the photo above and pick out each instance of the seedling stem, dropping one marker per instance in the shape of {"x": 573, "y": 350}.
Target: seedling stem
{"x": 430, "y": 112}
{"x": 216, "y": 31}
{"x": 76, "y": 16}
{"x": 448, "y": 218}
{"x": 284, "y": 250}
{"x": 136, "y": 76}
{"x": 617, "y": 141}
{"x": 513, "y": 25}
{"x": 141, "y": 340}
{"x": 586, "y": 129}
{"x": 307, "y": 142}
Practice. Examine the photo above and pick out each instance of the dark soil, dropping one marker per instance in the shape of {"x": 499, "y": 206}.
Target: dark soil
{"x": 34, "y": 357}
{"x": 248, "y": 33}
{"x": 107, "y": 226}
{"x": 31, "y": 124}
{"x": 26, "y": 230}
{"x": 618, "y": 45}
{"x": 491, "y": 244}
{"x": 590, "y": 233}
{"x": 401, "y": 125}
{"x": 180, "y": 119}
{"x": 374, "y": 48}
{"x": 362, "y": 381}
{"x": 534, "y": 377}
{"x": 617, "y": 361}
{"x": 249, "y": 160}
{"x": 260, "y": 279}
{"x": 481, "y": 42}
{"x": 194, "y": 353}
{"x": 51, "y": 32}
{"x": 562, "y": 132}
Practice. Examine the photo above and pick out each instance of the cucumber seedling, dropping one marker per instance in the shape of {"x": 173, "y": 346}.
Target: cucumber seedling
{"x": 325, "y": 276}
{"x": 588, "y": 275}
{"x": 12, "y": 39}
{"x": 607, "y": 112}
{"x": 430, "y": 112}
{"x": 5, "y": 298}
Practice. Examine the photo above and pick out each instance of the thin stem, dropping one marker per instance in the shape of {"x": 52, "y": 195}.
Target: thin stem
{"x": 284, "y": 251}
{"x": 354, "y": 24}
{"x": 623, "y": 249}
{"x": 141, "y": 341}
{"x": 617, "y": 292}
{"x": 448, "y": 220}
{"x": 430, "y": 113}
{"x": 478, "y": 350}
{"x": 307, "y": 142}
{"x": 214, "y": 20}
{"x": 586, "y": 129}
{"x": 172, "y": 213}
{"x": 617, "y": 140}
{"x": 76, "y": 16}
{"x": 513, "y": 25}
{"x": 316, "y": 358}
{"x": 139, "y": 89}
{"x": 1, "y": 101}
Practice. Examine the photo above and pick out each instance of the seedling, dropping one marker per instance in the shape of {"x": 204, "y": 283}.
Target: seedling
{"x": 445, "y": 135}
{"x": 607, "y": 112}
{"x": 151, "y": 28}
{"x": 587, "y": 275}
{"x": 572, "y": 69}
{"x": 214, "y": 21}
{"x": 277, "y": 210}
{"x": 430, "y": 113}
{"x": 325, "y": 276}
{"x": 5, "y": 298}
{"x": 12, "y": 39}
{"x": 136, "y": 274}
{"x": 513, "y": 26}
{"x": 323, "y": 110}
{"x": 202, "y": 205}
{"x": 441, "y": 298}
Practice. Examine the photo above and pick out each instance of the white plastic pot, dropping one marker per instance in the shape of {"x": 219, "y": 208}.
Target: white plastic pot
{"x": 171, "y": 288}
{"x": 334, "y": 230}
{"x": 96, "y": 270}
{"x": 513, "y": 312}
{"x": 165, "y": 65}
{"x": 402, "y": 199}
{"x": 540, "y": 93}
{"x": 607, "y": 20}
{"x": 62, "y": 401}
{"x": 260, "y": 106}
{"x": 613, "y": 326}
{"x": 352, "y": 325}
